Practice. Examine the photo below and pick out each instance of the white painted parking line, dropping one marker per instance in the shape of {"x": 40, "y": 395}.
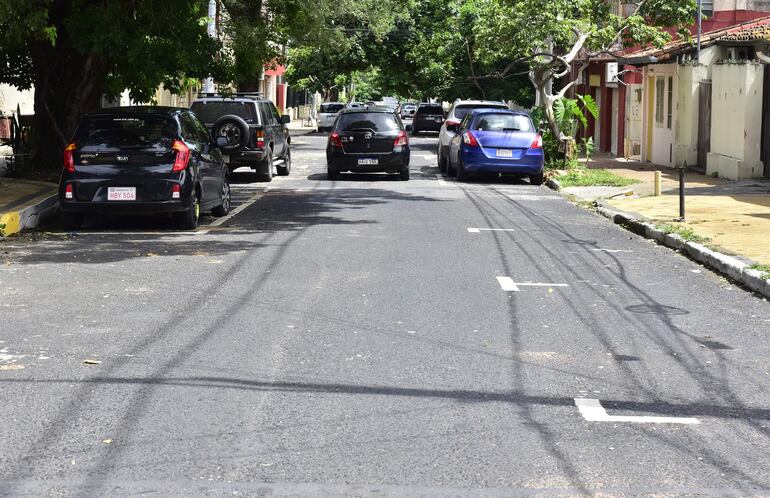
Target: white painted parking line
{"x": 507, "y": 284}
{"x": 611, "y": 250}
{"x": 540, "y": 284}
{"x": 593, "y": 411}
{"x": 240, "y": 208}
{"x": 441, "y": 181}
{"x": 478, "y": 230}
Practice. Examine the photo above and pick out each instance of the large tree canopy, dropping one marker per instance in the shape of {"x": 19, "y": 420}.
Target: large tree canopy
{"x": 75, "y": 51}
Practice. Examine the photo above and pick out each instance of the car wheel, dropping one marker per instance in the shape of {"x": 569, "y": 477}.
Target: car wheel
{"x": 267, "y": 167}
{"x": 450, "y": 170}
{"x": 285, "y": 168}
{"x": 320, "y": 129}
{"x": 190, "y": 218}
{"x": 462, "y": 174}
{"x": 223, "y": 208}
{"x": 536, "y": 179}
{"x": 404, "y": 174}
{"x": 70, "y": 221}
{"x": 235, "y": 129}
{"x": 441, "y": 160}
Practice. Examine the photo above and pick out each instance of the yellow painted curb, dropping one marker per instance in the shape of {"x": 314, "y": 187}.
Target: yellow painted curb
{"x": 9, "y": 223}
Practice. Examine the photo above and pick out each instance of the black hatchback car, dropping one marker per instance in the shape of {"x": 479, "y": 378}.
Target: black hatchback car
{"x": 368, "y": 141}
{"x": 143, "y": 160}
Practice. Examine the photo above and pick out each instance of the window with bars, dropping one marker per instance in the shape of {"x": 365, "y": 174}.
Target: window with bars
{"x": 660, "y": 84}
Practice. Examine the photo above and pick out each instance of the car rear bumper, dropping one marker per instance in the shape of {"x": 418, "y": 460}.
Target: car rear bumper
{"x": 394, "y": 162}
{"x": 123, "y": 207}
{"x": 478, "y": 162}
{"x": 249, "y": 157}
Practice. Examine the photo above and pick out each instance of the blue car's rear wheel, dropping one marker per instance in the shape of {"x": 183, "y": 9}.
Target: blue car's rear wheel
{"x": 462, "y": 174}
{"x": 536, "y": 179}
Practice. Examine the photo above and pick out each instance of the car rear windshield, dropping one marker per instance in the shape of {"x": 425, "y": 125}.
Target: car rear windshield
{"x": 462, "y": 110}
{"x": 431, "y": 109}
{"x": 330, "y": 108}
{"x": 375, "y": 121}
{"x": 209, "y": 112}
{"x": 503, "y": 122}
{"x": 126, "y": 132}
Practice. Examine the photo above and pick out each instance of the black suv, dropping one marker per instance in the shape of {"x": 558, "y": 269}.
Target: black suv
{"x": 256, "y": 134}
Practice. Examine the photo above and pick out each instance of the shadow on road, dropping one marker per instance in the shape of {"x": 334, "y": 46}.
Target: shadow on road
{"x": 278, "y": 211}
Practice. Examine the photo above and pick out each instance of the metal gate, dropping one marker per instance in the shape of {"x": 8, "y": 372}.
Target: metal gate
{"x": 764, "y": 153}
{"x": 704, "y": 122}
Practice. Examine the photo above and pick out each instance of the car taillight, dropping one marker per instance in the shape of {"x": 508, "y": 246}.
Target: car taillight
{"x": 452, "y": 122}
{"x": 68, "y": 191}
{"x": 69, "y": 157}
{"x": 176, "y": 191}
{"x": 401, "y": 139}
{"x": 537, "y": 143}
{"x": 182, "y": 155}
{"x": 260, "y": 136}
{"x": 335, "y": 140}
{"x": 470, "y": 140}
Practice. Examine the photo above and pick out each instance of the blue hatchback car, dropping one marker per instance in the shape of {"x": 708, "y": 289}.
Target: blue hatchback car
{"x": 497, "y": 141}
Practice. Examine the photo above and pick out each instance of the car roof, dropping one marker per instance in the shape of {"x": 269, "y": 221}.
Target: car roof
{"x": 361, "y": 110}
{"x": 234, "y": 98}
{"x": 325, "y": 103}
{"x": 478, "y": 102}
{"x": 139, "y": 109}
{"x": 491, "y": 110}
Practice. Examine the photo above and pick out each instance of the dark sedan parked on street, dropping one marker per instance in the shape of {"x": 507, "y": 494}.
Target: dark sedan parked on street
{"x": 428, "y": 117}
{"x": 143, "y": 160}
{"x": 368, "y": 140}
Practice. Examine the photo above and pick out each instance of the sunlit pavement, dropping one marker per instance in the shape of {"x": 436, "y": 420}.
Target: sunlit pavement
{"x": 371, "y": 336}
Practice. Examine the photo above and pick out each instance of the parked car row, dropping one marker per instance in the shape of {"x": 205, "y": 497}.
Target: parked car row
{"x": 474, "y": 137}
{"x": 150, "y": 160}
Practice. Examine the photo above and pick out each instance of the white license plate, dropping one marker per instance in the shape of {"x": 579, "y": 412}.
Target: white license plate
{"x": 438, "y": 120}
{"x": 504, "y": 153}
{"x": 368, "y": 162}
{"x": 121, "y": 193}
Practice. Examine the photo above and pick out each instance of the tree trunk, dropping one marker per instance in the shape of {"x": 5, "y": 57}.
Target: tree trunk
{"x": 68, "y": 85}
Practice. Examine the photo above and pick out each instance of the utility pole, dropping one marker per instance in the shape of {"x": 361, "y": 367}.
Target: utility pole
{"x": 211, "y": 29}
{"x": 700, "y": 16}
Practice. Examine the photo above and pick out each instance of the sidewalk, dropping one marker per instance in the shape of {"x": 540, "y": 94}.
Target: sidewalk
{"x": 297, "y": 129}
{"x": 734, "y": 215}
{"x": 24, "y": 203}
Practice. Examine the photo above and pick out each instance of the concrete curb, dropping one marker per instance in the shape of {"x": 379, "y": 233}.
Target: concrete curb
{"x": 554, "y": 184}
{"x": 30, "y": 215}
{"x": 729, "y": 266}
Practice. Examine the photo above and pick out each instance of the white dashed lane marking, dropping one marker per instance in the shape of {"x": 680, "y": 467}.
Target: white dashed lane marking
{"x": 593, "y": 411}
{"x": 508, "y": 285}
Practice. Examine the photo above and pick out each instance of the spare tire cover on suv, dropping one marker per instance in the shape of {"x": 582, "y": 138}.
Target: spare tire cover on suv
{"x": 234, "y": 128}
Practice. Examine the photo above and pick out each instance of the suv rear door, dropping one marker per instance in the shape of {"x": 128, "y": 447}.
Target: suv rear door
{"x": 271, "y": 123}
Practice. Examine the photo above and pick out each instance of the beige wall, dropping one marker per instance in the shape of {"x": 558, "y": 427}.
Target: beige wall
{"x": 736, "y": 121}
{"x": 10, "y": 97}
{"x": 686, "y": 149}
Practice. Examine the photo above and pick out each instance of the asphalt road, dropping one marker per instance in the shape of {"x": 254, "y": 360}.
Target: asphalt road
{"x": 354, "y": 338}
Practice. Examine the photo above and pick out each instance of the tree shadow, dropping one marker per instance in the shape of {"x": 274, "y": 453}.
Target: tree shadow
{"x": 279, "y": 211}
